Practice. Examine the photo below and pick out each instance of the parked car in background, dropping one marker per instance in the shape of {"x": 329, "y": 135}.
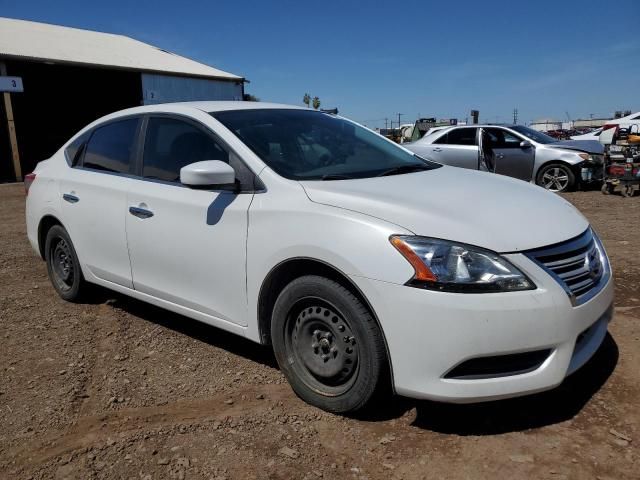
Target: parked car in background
{"x": 592, "y": 135}
{"x": 619, "y": 128}
{"x": 364, "y": 266}
{"x": 516, "y": 151}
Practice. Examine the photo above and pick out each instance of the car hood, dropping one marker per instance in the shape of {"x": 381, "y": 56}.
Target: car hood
{"x": 478, "y": 208}
{"x": 587, "y": 146}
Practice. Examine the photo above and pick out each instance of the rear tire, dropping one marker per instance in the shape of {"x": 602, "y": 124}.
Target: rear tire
{"x": 63, "y": 265}
{"x": 556, "y": 177}
{"x": 327, "y": 344}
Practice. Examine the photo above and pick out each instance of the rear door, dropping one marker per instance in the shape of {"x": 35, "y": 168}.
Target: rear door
{"x": 188, "y": 246}
{"x": 510, "y": 158}
{"x": 94, "y": 198}
{"x": 458, "y": 147}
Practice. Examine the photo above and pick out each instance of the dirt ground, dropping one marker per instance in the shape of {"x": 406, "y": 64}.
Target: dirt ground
{"x": 119, "y": 389}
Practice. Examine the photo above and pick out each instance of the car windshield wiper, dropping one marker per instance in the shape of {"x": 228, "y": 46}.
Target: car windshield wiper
{"x": 335, "y": 176}
{"x": 415, "y": 167}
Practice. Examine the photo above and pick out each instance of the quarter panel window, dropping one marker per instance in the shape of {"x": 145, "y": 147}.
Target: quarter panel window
{"x": 171, "y": 144}
{"x": 74, "y": 150}
{"x": 111, "y": 146}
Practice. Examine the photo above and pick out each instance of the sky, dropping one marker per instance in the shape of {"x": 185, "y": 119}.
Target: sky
{"x": 373, "y": 60}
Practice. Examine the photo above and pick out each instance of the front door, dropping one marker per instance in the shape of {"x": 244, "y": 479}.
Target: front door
{"x": 187, "y": 246}
{"x": 509, "y": 158}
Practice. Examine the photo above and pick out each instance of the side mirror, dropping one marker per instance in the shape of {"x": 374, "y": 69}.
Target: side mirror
{"x": 526, "y": 144}
{"x": 208, "y": 173}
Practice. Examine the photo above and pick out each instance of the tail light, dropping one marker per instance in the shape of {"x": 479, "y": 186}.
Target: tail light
{"x": 28, "y": 180}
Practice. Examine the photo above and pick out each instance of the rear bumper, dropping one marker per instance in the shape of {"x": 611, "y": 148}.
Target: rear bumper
{"x": 429, "y": 333}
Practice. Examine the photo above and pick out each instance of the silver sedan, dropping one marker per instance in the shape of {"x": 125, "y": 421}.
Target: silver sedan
{"x": 516, "y": 151}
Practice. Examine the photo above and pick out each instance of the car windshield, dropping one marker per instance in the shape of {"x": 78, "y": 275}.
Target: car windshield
{"x": 311, "y": 145}
{"x": 533, "y": 134}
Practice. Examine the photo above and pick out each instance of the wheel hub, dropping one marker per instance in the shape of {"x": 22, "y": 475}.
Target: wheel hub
{"x": 325, "y": 345}
{"x": 63, "y": 262}
{"x": 555, "y": 179}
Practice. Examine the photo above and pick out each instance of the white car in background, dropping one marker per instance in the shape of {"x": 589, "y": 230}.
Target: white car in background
{"x": 619, "y": 126}
{"x": 361, "y": 264}
{"x": 592, "y": 135}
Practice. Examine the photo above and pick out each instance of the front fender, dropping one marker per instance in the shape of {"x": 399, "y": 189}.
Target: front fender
{"x": 287, "y": 225}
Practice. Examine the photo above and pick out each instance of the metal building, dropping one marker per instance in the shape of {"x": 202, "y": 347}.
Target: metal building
{"x": 57, "y": 79}
{"x": 545, "y": 124}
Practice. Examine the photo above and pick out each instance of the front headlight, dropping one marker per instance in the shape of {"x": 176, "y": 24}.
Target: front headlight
{"x": 456, "y": 267}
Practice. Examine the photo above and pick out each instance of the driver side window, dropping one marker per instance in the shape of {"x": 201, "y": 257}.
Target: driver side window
{"x": 171, "y": 144}
{"x": 502, "y": 138}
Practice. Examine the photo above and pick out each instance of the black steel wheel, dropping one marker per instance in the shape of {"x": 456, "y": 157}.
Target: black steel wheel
{"x": 62, "y": 264}
{"x": 325, "y": 347}
{"x": 327, "y": 344}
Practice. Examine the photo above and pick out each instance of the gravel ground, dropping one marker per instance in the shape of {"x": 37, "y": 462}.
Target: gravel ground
{"x": 119, "y": 389}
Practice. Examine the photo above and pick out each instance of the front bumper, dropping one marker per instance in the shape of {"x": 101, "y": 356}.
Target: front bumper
{"x": 429, "y": 333}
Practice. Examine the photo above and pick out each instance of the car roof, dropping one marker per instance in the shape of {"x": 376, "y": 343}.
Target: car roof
{"x": 185, "y": 108}
{"x": 476, "y": 125}
{"x": 210, "y": 106}
{"x": 191, "y": 107}
{"x": 218, "y": 106}
{"x": 443, "y": 128}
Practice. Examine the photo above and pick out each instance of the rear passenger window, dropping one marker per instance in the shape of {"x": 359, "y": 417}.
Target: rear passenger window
{"x": 171, "y": 144}
{"x": 461, "y": 136}
{"x": 111, "y": 147}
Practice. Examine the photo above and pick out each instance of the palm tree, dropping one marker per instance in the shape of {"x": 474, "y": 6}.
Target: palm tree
{"x": 316, "y": 103}
{"x": 306, "y": 99}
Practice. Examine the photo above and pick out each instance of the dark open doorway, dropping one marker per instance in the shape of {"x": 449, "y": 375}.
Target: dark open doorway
{"x": 58, "y": 100}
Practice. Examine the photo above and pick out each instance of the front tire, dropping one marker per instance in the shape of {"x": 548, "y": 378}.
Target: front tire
{"x": 63, "y": 265}
{"x": 327, "y": 344}
{"x": 556, "y": 177}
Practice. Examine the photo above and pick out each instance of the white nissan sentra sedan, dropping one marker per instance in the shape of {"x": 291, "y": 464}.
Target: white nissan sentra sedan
{"x": 363, "y": 265}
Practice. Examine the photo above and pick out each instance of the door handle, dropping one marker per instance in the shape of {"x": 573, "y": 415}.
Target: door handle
{"x": 140, "y": 212}
{"x": 437, "y": 149}
{"x": 70, "y": 198}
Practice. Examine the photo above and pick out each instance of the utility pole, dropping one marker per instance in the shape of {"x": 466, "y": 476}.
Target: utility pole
{"x": 515, "y": 116}
{"x": 386, "y": 124}
{"x": 400, "y": 114}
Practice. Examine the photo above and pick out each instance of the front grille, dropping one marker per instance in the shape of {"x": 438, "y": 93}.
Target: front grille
{"x": 579, "y": 265}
